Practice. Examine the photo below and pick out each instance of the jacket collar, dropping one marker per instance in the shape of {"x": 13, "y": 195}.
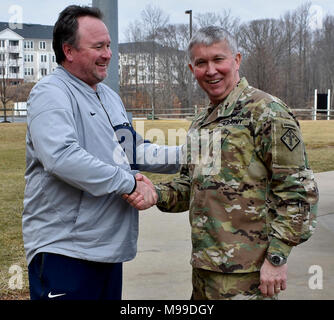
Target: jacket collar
{"x": 62, "y": 72}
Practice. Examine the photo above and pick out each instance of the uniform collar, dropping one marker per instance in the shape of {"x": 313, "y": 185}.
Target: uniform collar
{"x": 226, "y": 107}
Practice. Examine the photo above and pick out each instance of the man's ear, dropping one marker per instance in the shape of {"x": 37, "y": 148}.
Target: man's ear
{"x": 238, "y": 59}
{"x": 68, "y": 51}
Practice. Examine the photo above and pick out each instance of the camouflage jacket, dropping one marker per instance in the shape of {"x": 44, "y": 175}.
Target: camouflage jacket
{"x": 246, "y": 183}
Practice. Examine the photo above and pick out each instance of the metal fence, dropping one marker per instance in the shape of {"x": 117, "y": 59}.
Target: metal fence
{"x": 313, "y": 114}
{"x": 184, "y": 113}
{"x": 13, "y": 115}
{"x": 19, "y": 115}
{"x": 170, "y": 113}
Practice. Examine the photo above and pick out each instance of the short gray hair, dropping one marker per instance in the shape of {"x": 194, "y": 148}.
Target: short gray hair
{"x": 210, "y": 35}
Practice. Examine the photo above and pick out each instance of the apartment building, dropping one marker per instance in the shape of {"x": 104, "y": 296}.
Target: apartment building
{"x": 26, "y": 54}
{"x": 145, "y": 63}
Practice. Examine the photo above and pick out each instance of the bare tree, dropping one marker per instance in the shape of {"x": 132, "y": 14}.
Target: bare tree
{"x": 7, "y": 93}
{"x": 262, "y": 45}
{"x": 174, "y": 61}
{"x": 207, "y": 19}
{"x": 302, "y": 84}
{"x": 3, "y": 92}
{"x": 223, "y": 19}
{"x": 135, "y": 32}
{"x": 154, "y": 20}
{"x": 323, "y": 57}
{"x": 285, "y": 56}
{"x": 328, "y": 51}
{"x": 290, "y": 38}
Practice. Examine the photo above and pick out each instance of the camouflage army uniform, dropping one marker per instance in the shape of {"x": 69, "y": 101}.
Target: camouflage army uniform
{"x": 246, "y": 183}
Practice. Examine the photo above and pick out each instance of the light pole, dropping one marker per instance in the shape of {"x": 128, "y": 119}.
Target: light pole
{"x": 190, "y": 12}
{"x": 109, "y": 9}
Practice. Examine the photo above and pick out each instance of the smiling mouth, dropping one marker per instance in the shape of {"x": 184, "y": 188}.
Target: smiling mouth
{"x": 102, "y": 65}
{"x": 213, "y": 81}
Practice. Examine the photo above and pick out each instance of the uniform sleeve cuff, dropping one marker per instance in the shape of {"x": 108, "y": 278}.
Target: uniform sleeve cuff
{"x": 158, "y": 191}
{"x": 278, "y": 247}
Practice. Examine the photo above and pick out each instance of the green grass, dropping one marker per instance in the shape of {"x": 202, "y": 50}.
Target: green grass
{"x": 12, "y": 165}
{"x": 318, "y": 136}
{"x": 319, "y": 141}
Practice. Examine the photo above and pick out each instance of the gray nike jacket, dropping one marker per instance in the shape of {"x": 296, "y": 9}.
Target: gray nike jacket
{"x": 77, "y": 170}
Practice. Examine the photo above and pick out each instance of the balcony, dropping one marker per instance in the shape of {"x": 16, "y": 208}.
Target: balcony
{"x": 13, "y": 49}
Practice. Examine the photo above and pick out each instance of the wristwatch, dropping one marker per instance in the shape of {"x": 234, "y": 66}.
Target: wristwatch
{"x": 276, "y": 260}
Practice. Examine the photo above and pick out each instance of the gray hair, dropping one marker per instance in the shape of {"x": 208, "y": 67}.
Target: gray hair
{"x": 210, "y": 35}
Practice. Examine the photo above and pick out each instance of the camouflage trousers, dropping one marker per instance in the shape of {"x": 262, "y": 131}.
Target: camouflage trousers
{"x": 209, "y": 285}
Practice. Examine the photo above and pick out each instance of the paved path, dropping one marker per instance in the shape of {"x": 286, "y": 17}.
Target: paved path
{"x": 161, "y": 270}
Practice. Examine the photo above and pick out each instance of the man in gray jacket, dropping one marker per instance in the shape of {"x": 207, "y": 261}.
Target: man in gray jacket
{"x": 77, "y": 229}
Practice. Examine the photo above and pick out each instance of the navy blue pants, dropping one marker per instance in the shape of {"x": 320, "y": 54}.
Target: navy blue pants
{"x": 53, "y": 276}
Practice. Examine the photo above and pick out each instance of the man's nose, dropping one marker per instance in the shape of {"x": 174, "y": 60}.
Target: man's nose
{"x": 107, "y": 53}
{"x": 211, "y": 68}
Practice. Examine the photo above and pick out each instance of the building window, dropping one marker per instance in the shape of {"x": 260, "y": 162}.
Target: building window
{"x": 14, "y": 56}
{"x": 13, "y": 69}
{"x": 44, "y": 72}
{"x": 2, "y": 57}
{"x": 13, "y": 43}
{"x": 28, "y": 71}
{"x": 28, "y": 58}
{"x": 28, "y": 45}
{"x": 2, "y": 43}
{"x": 42, "y": 45}
{"x": 43, "y": 57}
{"x": 53, "y": 58}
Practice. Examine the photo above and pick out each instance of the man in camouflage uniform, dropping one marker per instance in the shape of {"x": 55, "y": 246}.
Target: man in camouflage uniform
{"x": 247, "y": 184}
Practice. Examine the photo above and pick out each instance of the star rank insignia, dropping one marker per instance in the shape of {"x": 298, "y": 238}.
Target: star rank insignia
{"x": 290, "y": 139}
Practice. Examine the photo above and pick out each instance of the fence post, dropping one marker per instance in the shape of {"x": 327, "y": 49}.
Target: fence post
{"x": 196, "y": 110}
{"x": 315, "y": 104}
{"x": 329, "y": 105}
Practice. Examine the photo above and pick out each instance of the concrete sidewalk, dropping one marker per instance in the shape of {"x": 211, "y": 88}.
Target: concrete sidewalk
{"x": 161, "y": 270}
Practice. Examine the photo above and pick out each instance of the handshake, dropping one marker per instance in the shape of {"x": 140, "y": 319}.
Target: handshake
{"x": 144, "y": 196}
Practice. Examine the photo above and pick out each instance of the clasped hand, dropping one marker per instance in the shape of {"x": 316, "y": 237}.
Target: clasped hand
{"x": 272, "y": 279}
{"x": 144, "y": 195}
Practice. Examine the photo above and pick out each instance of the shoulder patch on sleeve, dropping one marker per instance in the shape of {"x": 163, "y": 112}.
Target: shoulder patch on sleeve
{"x": 288, "y": 147}
{"x": 290, "y": 139}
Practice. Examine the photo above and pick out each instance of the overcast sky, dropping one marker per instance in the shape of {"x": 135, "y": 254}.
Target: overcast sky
{"x": 46, "y": 11}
